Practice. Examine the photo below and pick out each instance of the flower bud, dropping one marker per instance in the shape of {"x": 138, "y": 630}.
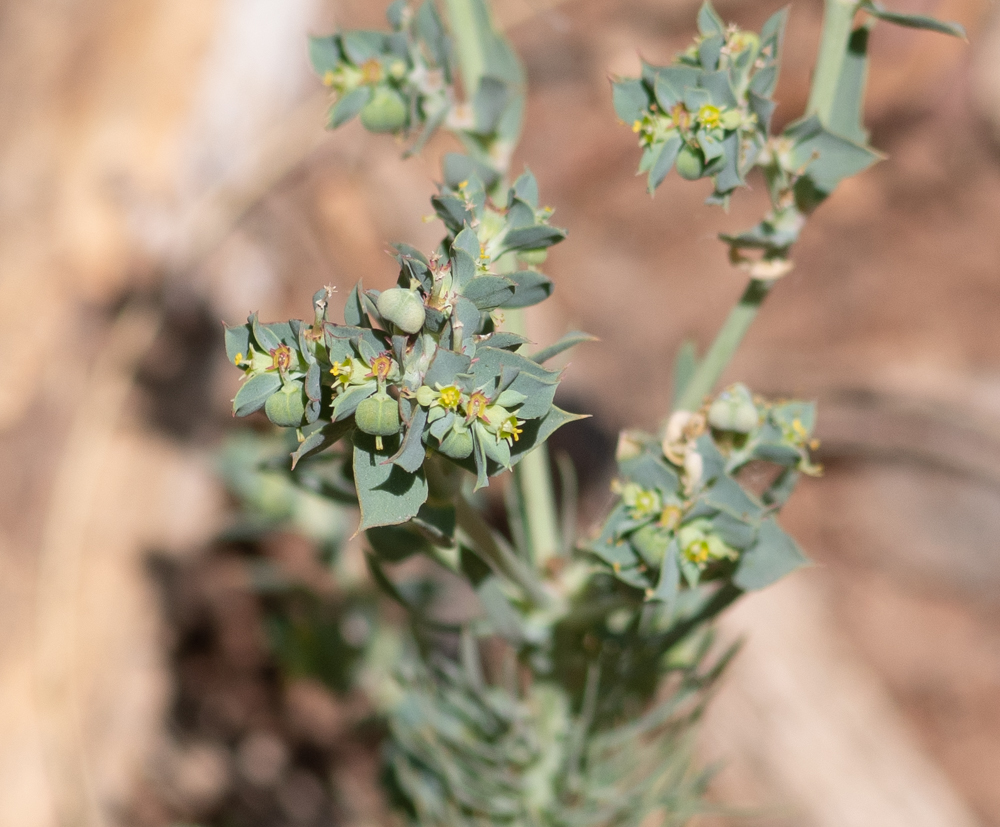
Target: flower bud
{"x": 403, "y": 308}
{"x": 286, "y": 406}
{"x": 689, "y": 163}
{"x": 734, "y": 410}
{"x": 385, "y": 112}
{"x": 378, "y": 415}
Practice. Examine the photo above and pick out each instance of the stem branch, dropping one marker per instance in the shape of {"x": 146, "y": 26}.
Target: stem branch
{"x": 710, "y": 368}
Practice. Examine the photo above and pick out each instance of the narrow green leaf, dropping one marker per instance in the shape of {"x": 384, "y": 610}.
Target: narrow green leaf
{"x": 571, "y": 339}
{"x": 913, "y": 21}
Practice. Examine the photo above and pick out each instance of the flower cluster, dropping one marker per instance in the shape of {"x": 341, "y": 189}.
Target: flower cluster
{"x": 709, "y": 112}
{"x": 396, "y": 81}
{"x": 683, "y": 518}
{"x": 421, "y": 367}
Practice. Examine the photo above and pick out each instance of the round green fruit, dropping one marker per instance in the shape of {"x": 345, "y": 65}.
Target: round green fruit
{"x": 378, "y": 415}
{"x": 287, "y": 406}
{"x": 690, "y": 165}
{"x": 403, "y": 308}
{"x": 734, "y": 410}
{"x": 386, "y": 111}
{"x": 457, "y": 444}
{"x": 533, "y": 257}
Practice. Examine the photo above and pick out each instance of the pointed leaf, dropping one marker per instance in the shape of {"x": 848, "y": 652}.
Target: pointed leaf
{"x": 530, "y": 288}
{"x": 254, "y": 393}
{"x": 571, "y": 339}
{"x": 388, "y": 495}
{"x": 774, "y": 555}
{"x": 913, "y": 21}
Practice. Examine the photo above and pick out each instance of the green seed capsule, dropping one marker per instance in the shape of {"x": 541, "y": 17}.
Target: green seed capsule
{"x": 457, "y": 444}
{"x": 689, "y": 163}
{"x": 651, "y": 542}
{"x": 734, "y": 410}
{"x": 385, "y": 112}
{"x": 378, "y": 415}
{"x": 287, "y": 406}
{"x": 403, "y": 308}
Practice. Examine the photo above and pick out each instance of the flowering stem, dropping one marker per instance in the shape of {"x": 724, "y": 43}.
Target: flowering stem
{"x": 711, "y": 367}
{"x": 533, "y": 476}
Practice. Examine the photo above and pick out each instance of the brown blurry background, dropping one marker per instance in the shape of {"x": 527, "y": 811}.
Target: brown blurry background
{"x": 163, "y": 166}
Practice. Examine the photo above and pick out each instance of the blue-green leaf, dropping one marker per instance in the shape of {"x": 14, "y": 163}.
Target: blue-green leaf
{"x": 388, "y": 495}
{"x": 254, "y": 393}
{"x": 571, "y": 339}
{"x": 774, "y": 555}
{"x": 913, "y": 21}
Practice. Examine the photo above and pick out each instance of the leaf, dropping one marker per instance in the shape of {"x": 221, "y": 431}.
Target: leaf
{"x": 354, "y": 309}
{"x": 410, "y": 456}
{"x": 536, "y": 431}
{"x": 728, "y": 495}
{"x": 237, "y": 341}
{"x": 913, "y": 21}
{"x": 348, "y": 106}
{"x": 666, "y": 155}
{"x": 324, "y": 54}
{"x": 446, "y": 365}
{"x": 321, "y": 439}
{"x": 526, "y": 188}
{"x": 709, "y": 22}
{"x": 568, "y": 340}
{"x": 394, "y": 543}
{"x": 631, "y": 99}
{"x": 459, "y": 168}
{"x": 827, "y": 158}
{"x": 387, "y": 494}
{"x": 504, "y": 340}
{"x": 361, "y": 45}
{"x": 347, "y": 403}
{"x": 254, "y": 393}
{"x": 533, "y": 238}
{"x": 489, "y": 292}
{"x": 489, "y": 103}
{"x": 530, "y": 288}
{"x": 774, "y": 555}
{"x": 650, "y": 472}
{"x": 670, "y": 577}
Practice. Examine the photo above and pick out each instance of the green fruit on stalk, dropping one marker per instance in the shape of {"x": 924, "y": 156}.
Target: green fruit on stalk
{"x": 457, "y": 444}
{"x": 287, "y": 406}
{"x": 689, "y": 163}
{"x": 378, "y": 415}
{"x": 386, "y": 111}
{"x": 403, "y": 308}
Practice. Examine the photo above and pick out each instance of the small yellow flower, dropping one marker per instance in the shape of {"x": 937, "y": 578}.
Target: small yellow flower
{"x": 449, "y": 397}
{"x": 636, "y": 126}
{"x": 381, "y": 366}
{"x": 475, "y": 408}
{"x": 281, "y": 358}
{"x": 509, "y": 429}
{"x": 238, "y": 360}
{"x": 371, "y": 71}
{"x": 710, "y": 116}
{"x": 343, "y": 370}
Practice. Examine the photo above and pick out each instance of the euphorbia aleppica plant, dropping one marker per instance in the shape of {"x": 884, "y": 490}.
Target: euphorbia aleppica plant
{"x": 426, "y": 392}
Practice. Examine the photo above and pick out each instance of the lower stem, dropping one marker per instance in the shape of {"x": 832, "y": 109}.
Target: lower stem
{"x": 711, "y": 367}
{"x": 496, "y": 555}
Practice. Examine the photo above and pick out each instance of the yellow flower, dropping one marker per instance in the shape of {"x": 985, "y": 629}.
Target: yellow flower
{"x": 509, "y": 429}
{"x": 449, "y": 397}
{"x": 710, "y": 116}
{"x": 475, "y": 408}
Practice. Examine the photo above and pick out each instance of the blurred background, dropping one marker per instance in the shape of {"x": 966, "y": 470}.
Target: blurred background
{"x": 163, "y": 167}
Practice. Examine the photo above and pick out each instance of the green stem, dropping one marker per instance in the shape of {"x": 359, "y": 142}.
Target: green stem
{"x": 500, "y": 558}
{"x": 465, "y": 28}
{"x": 838, "y": 21}
{"x": 721, "y": 352}
{"x": 533, "y": 476}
